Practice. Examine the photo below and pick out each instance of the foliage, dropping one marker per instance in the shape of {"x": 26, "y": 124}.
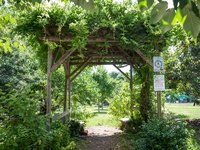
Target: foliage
{"x": 121, "y": 101}
{"x": 185, "y": 12}
{"x": 58, "y": 136}
{"x": 7, "y": 22}
{"x": 75, "y": 128}
{"x": 182, "y": 68}
{"x": 104, "y": 84}
{"x": 85, "y": 90}
{"x": 17, "y": 69}
{"x": 21, "y": 125}
{"x": 165, "y": 133}
{"x": 80, "y": 112}
{"x": 145, "y": 99}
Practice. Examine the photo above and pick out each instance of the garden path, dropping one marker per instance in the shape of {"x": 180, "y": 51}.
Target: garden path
{"x": 102, "y": 138}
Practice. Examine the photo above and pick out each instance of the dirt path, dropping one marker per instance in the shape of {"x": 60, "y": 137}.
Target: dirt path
{"x": 102, "y": 138}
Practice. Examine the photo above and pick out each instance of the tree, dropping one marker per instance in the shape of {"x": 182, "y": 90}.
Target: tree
{"x": 182, "y": 69}
{"x": 85, "y": 88}
{"x": 105, "y": 85}
{"x": 17, "y": 69}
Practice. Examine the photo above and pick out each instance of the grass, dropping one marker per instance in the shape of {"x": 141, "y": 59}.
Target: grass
{"x": 184, "y": 110}
{"x": 102, "y": 118}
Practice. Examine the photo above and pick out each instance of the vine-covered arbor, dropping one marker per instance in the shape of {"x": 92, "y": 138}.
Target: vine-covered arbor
{"x": 113, "y": 34}
{"x": 93, "y": 54}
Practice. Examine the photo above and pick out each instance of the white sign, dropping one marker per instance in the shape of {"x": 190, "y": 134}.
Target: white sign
{"x": 159, "y": 83}
{"x": 158, "y": 64}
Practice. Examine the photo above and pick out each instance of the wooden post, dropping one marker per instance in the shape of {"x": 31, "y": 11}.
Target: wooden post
{"x": 131, "y": 88}
{"x": 67, "y": 92}
{"x": 159, "y": 104}
{"x": 68, "y": 86}
{"x": 48, "y": 100}
{"x": 65, "y": 96}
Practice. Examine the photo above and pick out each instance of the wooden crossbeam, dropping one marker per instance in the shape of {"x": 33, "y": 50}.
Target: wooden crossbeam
{"x": 67, "y": 39}
{"x": 99, "y": 63}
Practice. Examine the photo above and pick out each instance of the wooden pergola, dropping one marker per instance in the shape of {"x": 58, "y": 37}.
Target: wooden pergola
{"x": 94, "y": 53}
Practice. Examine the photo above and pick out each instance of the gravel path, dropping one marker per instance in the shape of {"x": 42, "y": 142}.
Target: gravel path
{"x": 102, "y": 138}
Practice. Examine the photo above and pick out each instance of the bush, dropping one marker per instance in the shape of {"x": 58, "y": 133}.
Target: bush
{"x": 75, "y": 128}
{"x": 166, "y": 133}
{"x": 21, "y": 126}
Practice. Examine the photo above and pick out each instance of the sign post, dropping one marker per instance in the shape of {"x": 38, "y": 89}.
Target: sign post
{"x": 159, "y": 80}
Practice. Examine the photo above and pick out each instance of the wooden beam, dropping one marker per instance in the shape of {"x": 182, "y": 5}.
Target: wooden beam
{"x": 80, "y": 66}
{"x": 146, "y": 59}
{"x": 48, "y": 100}
{"x": 121, "y": 72}
{"x": 67, "y": 39}
{"x": 63, "y": 58}
{"x": 98, "y": 63}
{"x": 59, "y": 116}
{"x": 126, "y": 55}
{"x": 81, "y": 69}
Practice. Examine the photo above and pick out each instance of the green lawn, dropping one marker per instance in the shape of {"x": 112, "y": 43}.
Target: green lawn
{"x": 102, "y": 118}
{"x": 186, "y": 110}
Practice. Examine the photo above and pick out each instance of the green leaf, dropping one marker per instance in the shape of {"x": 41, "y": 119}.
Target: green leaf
{"x": 169, "y": 16}
{"x": 167, "y": 20}
{"x": 158, "y": 12}
{"x": 142, "y": 4}
{"x": 178, "y": 17}
{"x": 198, "y": 5}
{"x": 150, "y": 3}
{"x": 192, "y": 22}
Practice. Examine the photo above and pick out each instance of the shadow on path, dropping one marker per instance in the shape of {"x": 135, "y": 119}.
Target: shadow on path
{"x": 102, "y": 138}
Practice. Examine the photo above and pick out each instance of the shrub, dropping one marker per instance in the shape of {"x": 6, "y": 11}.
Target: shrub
{"x": 75, "y": 128}
{"x": 166, "y": 133}
{"x": 21, "y": 126}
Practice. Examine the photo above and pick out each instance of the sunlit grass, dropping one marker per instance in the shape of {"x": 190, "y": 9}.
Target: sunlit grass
{"x": 101, "y": 118}
{"x": 186, "y": 109}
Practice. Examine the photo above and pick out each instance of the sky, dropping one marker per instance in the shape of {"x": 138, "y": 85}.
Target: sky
{"x": 111, "y": 68}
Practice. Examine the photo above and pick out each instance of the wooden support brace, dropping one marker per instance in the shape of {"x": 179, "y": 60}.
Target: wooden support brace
{"x": 121, "y": 72}
{"x": 62, "y": 59}
{"x": 81, "y": 68}
{"x": 146, "y": 59}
